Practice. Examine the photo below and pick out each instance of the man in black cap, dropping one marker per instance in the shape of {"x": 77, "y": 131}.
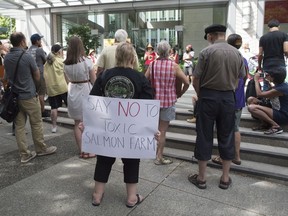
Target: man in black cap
{"x": 272, "y": 48}
{"x": 40, "y": 57}
{"x": 215, "y": 80}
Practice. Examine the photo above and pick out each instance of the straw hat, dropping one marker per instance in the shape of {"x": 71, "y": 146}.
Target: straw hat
{"x": 149, "y": 46}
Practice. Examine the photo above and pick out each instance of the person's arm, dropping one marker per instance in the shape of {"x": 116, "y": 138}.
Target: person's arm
{"x": 147, "y": 73}
{"x": 265, "y": 94}
{"x": 260, "y": 58}
{"x": 183, "y": 78}
{"x": 285, "y": 48}
{"x": 99, "y": 71}
{"x": 196, "y": 85}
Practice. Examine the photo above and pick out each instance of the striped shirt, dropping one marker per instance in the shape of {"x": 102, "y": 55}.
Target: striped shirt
{"x": 164, "y": 82}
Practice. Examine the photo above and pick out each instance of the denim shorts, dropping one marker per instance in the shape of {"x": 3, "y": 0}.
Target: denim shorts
{"x": 168, "y": 113}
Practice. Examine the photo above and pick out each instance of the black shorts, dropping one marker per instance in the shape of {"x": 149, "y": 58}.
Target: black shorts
{"x": 56, "y": 101}
{"x": 215, "y": 107}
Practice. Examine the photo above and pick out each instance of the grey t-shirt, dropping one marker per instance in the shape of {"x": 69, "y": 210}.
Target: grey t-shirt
{"x": 39, "y": 56}
{"x": 24, "y": 83}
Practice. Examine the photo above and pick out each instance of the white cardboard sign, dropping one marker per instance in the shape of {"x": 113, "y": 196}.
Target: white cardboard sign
{"x": 122, "y": 128}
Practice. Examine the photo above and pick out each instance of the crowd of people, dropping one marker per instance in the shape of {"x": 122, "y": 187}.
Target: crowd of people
{"x": 218, "y": 79}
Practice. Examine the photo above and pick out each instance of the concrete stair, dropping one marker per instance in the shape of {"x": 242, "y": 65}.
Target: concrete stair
{"x": 261, "y": 155}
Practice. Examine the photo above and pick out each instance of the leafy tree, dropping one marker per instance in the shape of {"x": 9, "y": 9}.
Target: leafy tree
{"x": 84, "y": 32}
{"x": 7, "y": 26}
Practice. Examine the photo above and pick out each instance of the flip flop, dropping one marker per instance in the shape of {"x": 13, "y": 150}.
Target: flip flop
{"x": 139, "y": 200}
{"x": 217, "y": 160}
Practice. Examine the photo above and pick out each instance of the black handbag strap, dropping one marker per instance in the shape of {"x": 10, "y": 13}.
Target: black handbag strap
{"x": 16, "y": 69}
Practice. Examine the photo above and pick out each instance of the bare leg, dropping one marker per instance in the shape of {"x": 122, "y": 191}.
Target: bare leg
{"x": 202, "y": 165}
{"x": 237, "y": 145}
{"x": 225, "y": 170}
{"x": 131, "y": 193}
{"x": 77, "y": 134}
{"x": 98, "y": 192}
{"x": 54, "y": 114}
{"x": 163, "y": 126}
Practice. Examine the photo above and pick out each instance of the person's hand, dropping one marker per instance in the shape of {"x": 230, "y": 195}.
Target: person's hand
{"x": 157, "y": 135}
{"x": 81, "y": 127}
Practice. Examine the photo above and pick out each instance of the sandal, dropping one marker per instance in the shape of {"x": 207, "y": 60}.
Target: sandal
{"x": 139, "y": 200}
{"x": 200, "y": 184}
{"x": 163, "y": 161}
{"x": 272, "y": 131}
{"x": 217, "y": 160}
{"x": 236, "y": 162}
{"x": 225, "y": 185}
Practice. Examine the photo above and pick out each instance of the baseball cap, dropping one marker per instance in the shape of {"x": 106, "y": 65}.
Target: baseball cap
{"x": 35, "y": 37}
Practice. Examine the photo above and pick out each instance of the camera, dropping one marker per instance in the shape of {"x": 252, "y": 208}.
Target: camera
{"x": 262, "y": 75}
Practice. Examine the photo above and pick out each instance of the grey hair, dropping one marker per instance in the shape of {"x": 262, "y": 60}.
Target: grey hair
{"x": 121, "y": 35}
{"x": 163, "y": 49}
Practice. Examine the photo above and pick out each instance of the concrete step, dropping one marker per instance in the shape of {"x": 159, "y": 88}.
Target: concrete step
{"x": 247, "y": 135}
{"x": 249, "y": 151}
{"x": 247, "y": 167}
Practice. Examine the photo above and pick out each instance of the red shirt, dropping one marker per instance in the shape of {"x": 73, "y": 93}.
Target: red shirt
{"x": 151, "y": 57}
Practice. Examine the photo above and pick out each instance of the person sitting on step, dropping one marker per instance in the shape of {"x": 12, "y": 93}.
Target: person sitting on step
{"x": 278, "y": 114}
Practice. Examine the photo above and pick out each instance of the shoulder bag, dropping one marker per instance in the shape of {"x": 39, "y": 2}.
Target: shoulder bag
{"x": 9, "y": 102}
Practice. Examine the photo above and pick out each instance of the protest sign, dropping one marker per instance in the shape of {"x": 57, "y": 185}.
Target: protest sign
{"x": 122, "y": 128}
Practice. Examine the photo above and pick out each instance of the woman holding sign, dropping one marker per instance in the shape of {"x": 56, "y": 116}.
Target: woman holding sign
{"x": 162, "y": 73}
{"x": 133, "y": 85}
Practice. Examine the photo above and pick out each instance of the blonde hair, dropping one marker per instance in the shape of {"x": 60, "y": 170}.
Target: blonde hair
{"x": 125, "y": 55}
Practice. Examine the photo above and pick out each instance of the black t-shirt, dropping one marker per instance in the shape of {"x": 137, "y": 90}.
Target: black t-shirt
{"x": 272, "y": 44}
{"x": 122, "y": 82}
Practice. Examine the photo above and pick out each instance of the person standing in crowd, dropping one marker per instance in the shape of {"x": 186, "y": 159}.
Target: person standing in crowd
{"x": 28, "y": 101}
{"x": 39, "y": 56}
{"x": 149, "y": 56}
{"x": 273, "y": 46}
{"x": 139, "y": 88}
{"x": 162, "y": 73}
{"x": 81, "y": 75}
{"x": 188, "y": 61}
{"x": 174, "y": 55}
{"x": 106, "y": 59}
{"x": 56, "y": 83}
{"x": 235, "y": 40}
{"x": 278, "y": 95}
{"x": 215, "y": 79}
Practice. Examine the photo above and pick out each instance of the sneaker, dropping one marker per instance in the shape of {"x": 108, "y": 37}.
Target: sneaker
{"x": 193, "y": 120}
{"x": 25, "y": 159}
{"x": 272, "y": 130}
{"x": 162, "y": 161}
{"x": 48, "y": 151}
{"x": 54, "y": 129}
{"x": 45, "y": 114}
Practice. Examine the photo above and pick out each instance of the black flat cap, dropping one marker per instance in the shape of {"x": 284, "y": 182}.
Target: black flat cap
{"x": 214, "y": 28}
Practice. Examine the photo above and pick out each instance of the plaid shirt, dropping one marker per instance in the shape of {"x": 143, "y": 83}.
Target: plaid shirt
{"x": 164, "y": 82}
